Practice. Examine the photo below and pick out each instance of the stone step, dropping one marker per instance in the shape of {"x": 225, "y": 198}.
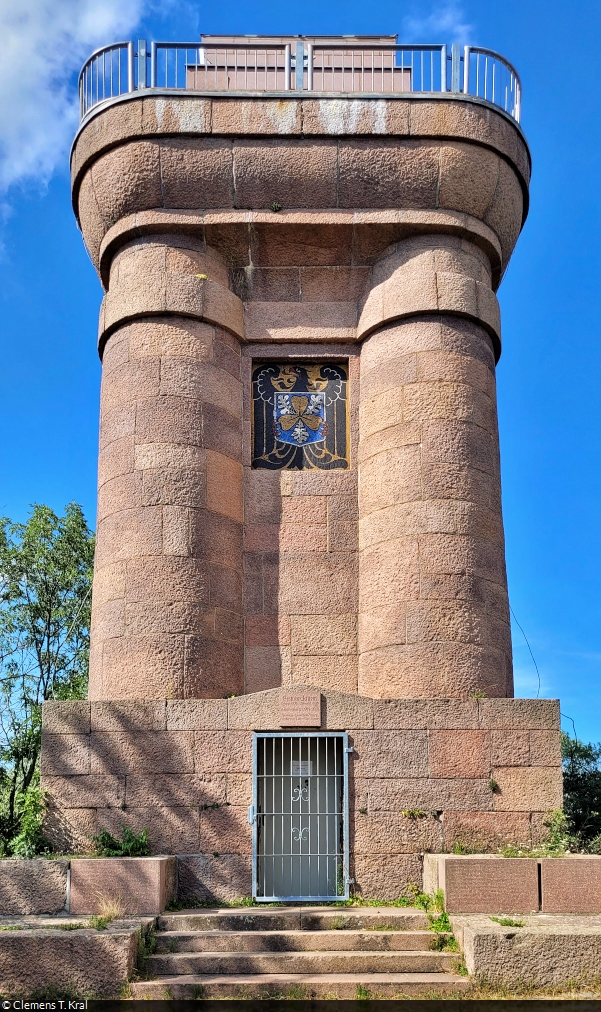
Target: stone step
{"x": 294, "y": 918}
{"x": 299, "y": 985}
{"x": 294, "y": 941}
{"x": 333, "y": 961}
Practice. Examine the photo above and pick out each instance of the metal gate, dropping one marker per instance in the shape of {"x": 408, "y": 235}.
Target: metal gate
{"x": 300, "y": 817}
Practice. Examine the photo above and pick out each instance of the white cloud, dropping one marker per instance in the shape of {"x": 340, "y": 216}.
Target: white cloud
{"x": 44, "y": 43}
{"x": 437, "y": 23}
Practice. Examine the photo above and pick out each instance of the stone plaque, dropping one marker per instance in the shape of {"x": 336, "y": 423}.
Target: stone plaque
{"x": 300, "y": 709}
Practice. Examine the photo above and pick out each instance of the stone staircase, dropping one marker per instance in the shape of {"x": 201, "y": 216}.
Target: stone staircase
{"x": 298, "y": 952}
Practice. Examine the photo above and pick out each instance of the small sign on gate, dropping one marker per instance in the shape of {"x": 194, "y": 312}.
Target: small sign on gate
{"x": 300, "y": 709}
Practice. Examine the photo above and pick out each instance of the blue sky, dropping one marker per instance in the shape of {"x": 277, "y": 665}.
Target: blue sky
{"x": 549, "y": 372}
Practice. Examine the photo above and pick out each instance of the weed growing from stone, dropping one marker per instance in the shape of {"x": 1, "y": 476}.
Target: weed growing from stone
{"x": 508, "y": 922}
{"x": 362, "y": 993}
{"x": 130, "y": 844}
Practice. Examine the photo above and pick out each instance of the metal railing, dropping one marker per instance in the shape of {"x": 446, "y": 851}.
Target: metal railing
{"x": 301, "y": 66}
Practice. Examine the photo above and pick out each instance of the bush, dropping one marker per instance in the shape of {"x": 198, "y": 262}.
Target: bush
{"x": 582, "y": 793}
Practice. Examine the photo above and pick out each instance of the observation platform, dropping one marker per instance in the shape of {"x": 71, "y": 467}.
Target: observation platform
{"x": 342, "y": 65}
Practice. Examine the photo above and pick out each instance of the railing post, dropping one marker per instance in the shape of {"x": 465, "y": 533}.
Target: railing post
{"x": 443, "y": 70}
{"x": 287, "y": 63}
{"x": 466, "y": 70}
{"x": 141, "y": 63}
{"x": 300, "y": 65}
{"x": 153, "y": 65}
{"x": 455, "y": 67}
{"x": 309, "y": 67}
{"x": 130, "y": 67}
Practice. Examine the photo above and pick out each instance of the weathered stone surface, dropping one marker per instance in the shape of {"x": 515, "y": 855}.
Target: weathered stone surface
{"x": 491, "y": 885}
{"x": 545, "y": 951}
{"x": 43, "y": 957}
{"x": 37, "y": 886}
{"x": 69, "y": 716}
{"x": 571, "y": 885}
{"x": 224, "y": 878}
{"x": 141, "y": 885}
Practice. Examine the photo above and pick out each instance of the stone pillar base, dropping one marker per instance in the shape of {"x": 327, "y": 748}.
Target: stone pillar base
{"x": 426, "y": 775}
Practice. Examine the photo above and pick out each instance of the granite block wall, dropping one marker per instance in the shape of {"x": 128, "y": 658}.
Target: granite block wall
{"x": 419, "y": 779}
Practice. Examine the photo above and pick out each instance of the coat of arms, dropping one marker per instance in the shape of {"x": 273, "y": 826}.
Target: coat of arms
{"x": 299, "y": 416}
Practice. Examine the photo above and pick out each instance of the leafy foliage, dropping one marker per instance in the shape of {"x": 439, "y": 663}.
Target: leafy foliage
{"x": 582, "y": 793}
{"x": 45, "y": 584}
{"x": 130, "y": 844}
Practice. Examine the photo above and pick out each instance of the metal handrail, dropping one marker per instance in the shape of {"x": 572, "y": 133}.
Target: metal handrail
{"x": 322, "y": 68}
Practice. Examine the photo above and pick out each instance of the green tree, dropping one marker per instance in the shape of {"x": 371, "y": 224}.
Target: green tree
{"x": 582, "y": 792}
{"x": 45, "y": 596}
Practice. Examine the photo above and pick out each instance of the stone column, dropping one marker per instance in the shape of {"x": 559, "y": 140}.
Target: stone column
{"x": 167, "y": 597}
{"x": 433, "y": 605}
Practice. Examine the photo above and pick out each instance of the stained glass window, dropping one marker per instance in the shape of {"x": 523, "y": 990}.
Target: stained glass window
{"x": 300, "y": 416}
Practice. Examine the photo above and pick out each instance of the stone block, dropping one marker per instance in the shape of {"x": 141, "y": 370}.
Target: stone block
{"x": 342, "y": 711}
{"x": 487, "y": 885}
{"x": 394, "y": 833}
{"x": 486, "y": 832}
{"x": 239, "y": 789}
{"x": 338, "y": 673}
{"x": 128, "y": 715}
{"x": 69, "y": 716}
{"x": 510, "y": 747}
{"x": 258, "y": 711}
{"x": 459, "y": 753}
{"x": 142, "y": 885}
{"x": 144, "y": 751}
{"x": 196, "y": 714}
{"x": 390, "y": 753}
{"x": 263, "y": 668}
{"x": 70, "y": 830}
{"x": 417, "y": 714}
{"x": 224, "y": 878}
{"x": 225, "y": 830}
{"x": 35, "y": 886}
{"x": 535, "y": 714}
{"x": 563, "y": 954}
{"x": 43, "y": 960}
{"x": 571, "y": 885}
{"x": 175, "y": 791}
{"x": 321, "y": 634}
{"x": 168, "y": 828}
{"x": 92, "y": 791}
{"x": 65, "y": 754}
{"x": 386, "y": 877}
{"x": 429, "y": 794}
{"x": 545, "y": 748}
{"x": 528, "y": 789}
{"x": 224, "y": 485}
{"x": 223, "y": 751}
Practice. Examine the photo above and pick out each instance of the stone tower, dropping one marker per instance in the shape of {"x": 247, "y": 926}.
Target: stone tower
{"x": 300, "y": 243}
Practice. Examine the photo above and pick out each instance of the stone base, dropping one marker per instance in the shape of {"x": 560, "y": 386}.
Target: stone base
{"x": 38, "y": 886}
{"x": 136, "y": 885}
{"x": 544, "y": 951}
{"x": 42, "y": 955}
{"x": 506, "y": 885}
{"x": 420, "y": 779}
